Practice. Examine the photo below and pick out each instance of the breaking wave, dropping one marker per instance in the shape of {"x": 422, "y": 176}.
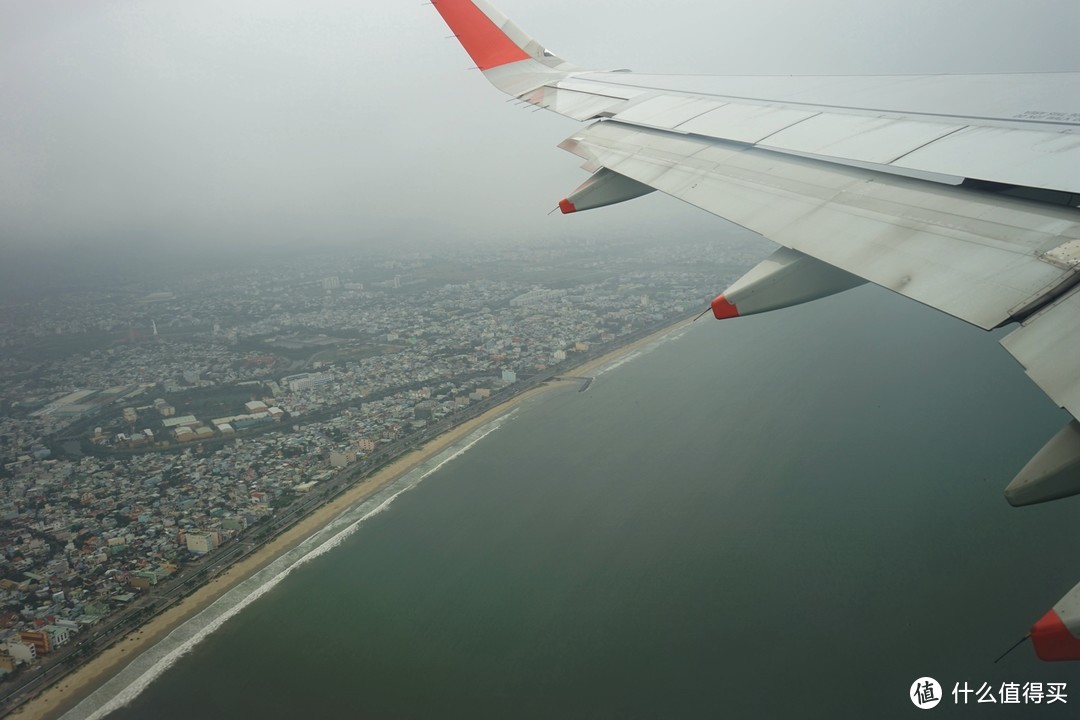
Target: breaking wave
{"x": 647, "y": 348}
{"x": 147, "y": 667}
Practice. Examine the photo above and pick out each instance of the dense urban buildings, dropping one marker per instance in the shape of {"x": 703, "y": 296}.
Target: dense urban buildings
{"x": 146, "y": 424}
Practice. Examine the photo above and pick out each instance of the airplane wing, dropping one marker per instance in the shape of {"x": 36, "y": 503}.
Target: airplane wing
{"x": 961, "y": 192}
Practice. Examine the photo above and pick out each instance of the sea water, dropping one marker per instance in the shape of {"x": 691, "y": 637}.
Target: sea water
{"x": 790, "y": 515}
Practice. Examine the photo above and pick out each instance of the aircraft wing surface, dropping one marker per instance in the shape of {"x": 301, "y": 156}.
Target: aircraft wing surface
{"x": 958, "y": 191}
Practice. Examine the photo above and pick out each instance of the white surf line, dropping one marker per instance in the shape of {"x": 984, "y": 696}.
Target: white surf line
{"x": 674, "y": 334}
{"x": 151, "y": 664}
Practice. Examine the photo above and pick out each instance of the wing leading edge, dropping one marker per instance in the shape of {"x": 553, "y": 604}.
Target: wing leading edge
{"x": 958, "y": 191}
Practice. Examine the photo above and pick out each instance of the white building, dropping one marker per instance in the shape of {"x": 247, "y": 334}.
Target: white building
{"x": 305, "y": 381}
{"x": 57, "y": 635}
{"x": 22, "y": 652}
{"x": 200, "y": 543}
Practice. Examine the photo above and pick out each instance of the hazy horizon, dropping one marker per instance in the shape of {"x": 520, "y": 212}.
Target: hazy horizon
{"x": 196, "y": 126}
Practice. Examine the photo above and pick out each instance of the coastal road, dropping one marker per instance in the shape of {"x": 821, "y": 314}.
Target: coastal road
{"x": 60, "y": 662}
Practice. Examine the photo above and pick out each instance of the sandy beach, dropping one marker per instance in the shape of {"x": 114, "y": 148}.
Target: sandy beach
{"x": 72, "y": 688}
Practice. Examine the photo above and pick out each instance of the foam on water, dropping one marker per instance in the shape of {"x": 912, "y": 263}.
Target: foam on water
{"x": 147, "y": 667}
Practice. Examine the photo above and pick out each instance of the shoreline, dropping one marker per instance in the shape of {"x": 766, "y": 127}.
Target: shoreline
{"x": 62, "y": 695}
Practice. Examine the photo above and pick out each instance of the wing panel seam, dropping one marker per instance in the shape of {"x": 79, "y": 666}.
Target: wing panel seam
{"x": 773, "y": 101}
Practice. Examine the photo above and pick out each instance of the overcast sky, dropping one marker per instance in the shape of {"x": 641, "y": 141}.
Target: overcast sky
{"x": 271, "y": 122}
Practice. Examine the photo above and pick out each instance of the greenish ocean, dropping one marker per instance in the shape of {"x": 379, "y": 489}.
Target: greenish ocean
{"x": 786, "y": 516}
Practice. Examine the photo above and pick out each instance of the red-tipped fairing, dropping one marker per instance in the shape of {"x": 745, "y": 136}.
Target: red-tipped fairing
{"x": 1056, "y": 636}
{"x": 1052, "y": 639}
{"x": 604, "y": 187}
{"x": 722, "y": 309}
{"x": 785, "y": 278}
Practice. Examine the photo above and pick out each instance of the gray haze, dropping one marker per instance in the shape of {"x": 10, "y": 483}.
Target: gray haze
{"x": 267, "y": 123}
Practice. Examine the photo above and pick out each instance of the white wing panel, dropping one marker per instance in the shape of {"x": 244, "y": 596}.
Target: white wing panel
{"x": 1016, "y": 100}
{"x": 858, "y": 137}
{"x": 968, "y": 254}
{"x": 821, "y": 91}
{"x": 666, "y": 111}
{"x": 1019, "y": 157}
{"x": 1048, "y": 346}
{"x": 1010, "y": 129}
{"x": 626, "y": 92}
{"x": 743, "y": 123}
{"x": 574, "y": 104}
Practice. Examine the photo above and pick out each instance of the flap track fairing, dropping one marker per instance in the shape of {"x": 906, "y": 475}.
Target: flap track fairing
{"x": 787, "y": 277}
{"x": 1053, "y": 473}
{"x": 604, "y": 187}
{"x": 1056, "y": 636}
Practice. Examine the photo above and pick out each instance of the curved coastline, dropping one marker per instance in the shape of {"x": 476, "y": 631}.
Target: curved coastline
{"x": 74, "y": 687}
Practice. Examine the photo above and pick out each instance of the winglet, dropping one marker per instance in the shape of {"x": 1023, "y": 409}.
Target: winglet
{"x": 485, "y": 41}
{"x": 510, "y": 59}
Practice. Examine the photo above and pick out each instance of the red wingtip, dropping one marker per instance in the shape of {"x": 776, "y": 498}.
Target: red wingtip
{"x": 566, "y": 206}
{"x": 722, "y": 309}
{"x": 1052, "y": 639}
{"x": 485, "y": 42}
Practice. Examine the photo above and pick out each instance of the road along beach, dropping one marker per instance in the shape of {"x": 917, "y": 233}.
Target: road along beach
{"x": 73, "y": 687}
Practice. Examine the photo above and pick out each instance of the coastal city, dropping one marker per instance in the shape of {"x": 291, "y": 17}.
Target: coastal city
{"x": 149, "y": 426}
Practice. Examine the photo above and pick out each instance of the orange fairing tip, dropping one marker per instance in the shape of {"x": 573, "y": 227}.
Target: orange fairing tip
{"x": 1052, "y": 639}
{"x": 566, "y": 206}
{"x": 722, "y": 309}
